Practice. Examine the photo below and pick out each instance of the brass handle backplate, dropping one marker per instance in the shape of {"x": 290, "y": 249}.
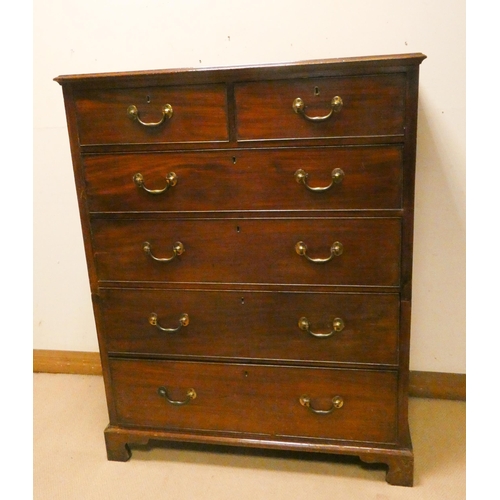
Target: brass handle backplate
{"x": 133, "y": 114}
{"x": 190, "y": 395}
{"x": 299, "y": 106}
{"x": 139, "y": 182}
{"x": 335, "y": 250}
{"x": 337, "y": 178}
{"x": 337, "y": 403}
{"x": 178, "y": 249}
{"x": 338, "y": 326}
{"x": 183, "y": 321}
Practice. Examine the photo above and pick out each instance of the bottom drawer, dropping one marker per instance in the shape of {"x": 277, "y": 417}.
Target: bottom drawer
{"x": 358, "y": 405}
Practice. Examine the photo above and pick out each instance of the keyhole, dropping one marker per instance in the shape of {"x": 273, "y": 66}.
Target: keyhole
{"x": 148, "y": 99}
{"x": 234, "y": 160}
{"x": 237, "y": 229}
{"x": 242, "y": 300}
{"x": 316, "y": 90}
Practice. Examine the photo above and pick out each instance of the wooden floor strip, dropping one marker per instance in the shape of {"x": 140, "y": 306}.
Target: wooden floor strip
{"x": 434, "y": 385}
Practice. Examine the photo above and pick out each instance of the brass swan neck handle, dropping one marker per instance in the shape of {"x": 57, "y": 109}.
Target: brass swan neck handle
{"x": 335, "y": 251}
{"x": 301, "y": 177}
{"x": 299, "y": 106}
{"x": 133, "y": 114}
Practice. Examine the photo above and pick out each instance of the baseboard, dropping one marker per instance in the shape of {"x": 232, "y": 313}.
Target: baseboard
{"x": 74, "y": 362}
{"x": 438, "y": 385}
{"x": 422, "y": 384}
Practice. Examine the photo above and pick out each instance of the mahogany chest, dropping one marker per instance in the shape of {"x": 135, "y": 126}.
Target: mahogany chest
{"x": 248, "y": 234}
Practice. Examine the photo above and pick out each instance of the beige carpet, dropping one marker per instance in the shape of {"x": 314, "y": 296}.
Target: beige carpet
{"x": 70, "y": 458}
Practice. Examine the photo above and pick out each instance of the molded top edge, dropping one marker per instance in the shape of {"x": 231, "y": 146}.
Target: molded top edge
{"x": 386, "y": 60}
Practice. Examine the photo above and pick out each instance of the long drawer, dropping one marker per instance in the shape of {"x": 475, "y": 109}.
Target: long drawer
{"x": 358, "y": 251}
{"x": 279, "y": 401}
{"x": 197, "y": 113}
{"x": 359, "y": 178}
{"x": 368, "y": 106}
{"x": 307, "y": 327}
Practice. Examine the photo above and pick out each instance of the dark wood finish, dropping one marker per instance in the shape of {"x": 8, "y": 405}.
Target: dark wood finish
{"x": 304, "y": 69}
{"x": 399, "y": 465}
{"x": 199, "y": 115}
{"x": 236, "y": 180}
{"x": 381, "y": 96}
{"x": 253, "y": 325}
{"x": 256, "y": 399}
{"x": 235, "y": 142}
{"x": 398, "y": 460}
{"x": 250, "y": 251}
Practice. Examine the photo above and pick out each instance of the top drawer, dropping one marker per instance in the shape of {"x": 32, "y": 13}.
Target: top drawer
{"x": 193, "y": 114}
{"x": 365, "y": 106}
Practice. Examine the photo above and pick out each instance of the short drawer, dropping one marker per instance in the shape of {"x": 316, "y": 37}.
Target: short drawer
{"x": 282, "y": 179}
{"x": 353, "y": 251}
{"x": 198, "y": 114}
{"x": 312, "y": 327}
{"x": 277, "y": 401}
{"x": 372, "y": 105}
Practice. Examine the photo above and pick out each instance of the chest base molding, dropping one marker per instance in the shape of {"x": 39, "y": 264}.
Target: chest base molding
{"x": 399, "y": 461}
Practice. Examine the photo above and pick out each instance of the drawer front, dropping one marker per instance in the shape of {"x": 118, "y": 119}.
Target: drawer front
{"x": 371, "y": 106}
{"x": 249, "y": 251}
{"x": 199, "y": 114}
{"x": 365, "y": 178}
{"x": 255, "y": 399}
{"x": 357, "y": 328}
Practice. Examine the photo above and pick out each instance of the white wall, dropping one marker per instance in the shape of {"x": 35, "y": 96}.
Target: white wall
{"x": 76, "y": 36}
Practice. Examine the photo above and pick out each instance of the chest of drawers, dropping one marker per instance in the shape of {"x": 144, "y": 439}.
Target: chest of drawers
{"x": 248, "y": 234}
